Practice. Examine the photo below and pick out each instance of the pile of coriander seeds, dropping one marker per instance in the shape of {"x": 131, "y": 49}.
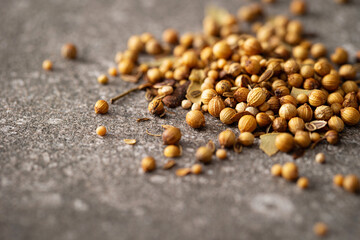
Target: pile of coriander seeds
{"x": 271, "y": 81}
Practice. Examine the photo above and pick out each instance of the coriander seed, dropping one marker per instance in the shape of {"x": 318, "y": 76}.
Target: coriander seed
{"x": 69, "y": 51}
{"x": 170, "y": 36}
{"x": 196, "y": 169}
{"x": 126, "y": 66}
{"x": 156, "y": 107}
{"x": 172, "y": 151}
{"x": 302, "y": 98}
{"x": 298, "y": 7}
{"x": 47, "y": 65}
{"x": 279, "y": 124}
{"x": 112, "y": 71}
{"x": 101, "y": 131}
{"x": 154, "y": 75}
{"x": 247, "y": 123}
{"x": 317, "y": 98}
{"x": 103, "y": 79}
{"x": 276, "y": 170}
{"x": 246, "y": 139}
{"x": 336, "y": 123}
{"x": 338, "y": 180}
{"x": 351, "y": 183}
{"x": 302, "y": 138}
{"x": 171, "y": 136}
{"x": 320, "y": 158}
{"x": 302, "y": 182}
{"x": 221, "y": 154}
{"x": 332, "y": 137}
{"x": 284, "y": 142}
{"x": 320, "y": 229}
{"x": 227, "y": 138}
{"x": 101, "y": 107}
{"x": 222, "y": 50}
{"x": 289, "y": 171}
{"x": 216, "y": 105}
{"x": 350, "y": 116}
{"x": 153, "y": 47}
{"x": 204, "y": 154}
{"x": 226, "y": 115}
{"x": 148, "y": 164}
{"x": 195, "y": 119}
{"x": 186, "y": 104}
{"x": 135, "y": 44}
{"x": 287, "y": 111}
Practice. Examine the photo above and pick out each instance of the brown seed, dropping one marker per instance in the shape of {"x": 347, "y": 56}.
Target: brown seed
{"x": 156, "y": 107}
{"x": 196, "y": 169}
{"x": 323, "y": 113}
{"x": 335, "y": 123}
{"x": 351, "y": 183}
{"x": 263, "y": 119}
{"x": 195, "y": 119}
{"x": 289, "y": 171}
{"x": 101, "y": 107}
{"x": 221, "y": 154}
{"x": 256, "y": 97}
{"x": 170, "y": 36}
{"x": 222, "y": 50}
{"x": 330, "y": 82}
{"x": 338, "y": 180}
{"x": 298, "y": 7}
{"x": 227, "y": 115}
{"x": 223, "y": 86}
{"x": 126, "y": 66}
{"x": 287, "y": 111}
{"x": 305, "y": 112}
{"x": 171, "y": 136}
{"x": 302, "y": 138}
{"x": 276, "y": 170}
{"x": 317, "y": 98}
{"x": 320, "y": 158}
{"x": 246, "y": 139}
{"x": 284, "y": 142}
{"x": 135, "y": 44}
{"x": 207, "y": 95}
{"x": 47, "y": 65}
{"x": 318, "y": 50}
{"x": 204, "y": 154}
{"x": 227, "y": 138}
{"x": 148, "y": 164}
{"x": 101, "y": 131}
{"x": 69, "y": 51}
{"x": 279, "y": 124}
{"x": 332, "y": 137}
{"x": 247, "y": 123}
{"x": 252, "y": 46}
{"x": 350, "y": 116}
{"x": 302, "y": 182}
{"x": 103, "y": 79}
{"x": 172, "y": 151}
{"x": 322, "y": 67}
{"x": 216, "y": 105}
{"x": 320, "y": 229}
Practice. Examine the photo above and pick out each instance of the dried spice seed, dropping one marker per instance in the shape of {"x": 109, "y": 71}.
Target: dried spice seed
{"x": 181, "y": 172}
{"x": 130, "y": 141}
{"x": 148, "y": 164}
{"x": 169, "y": 164}
{"x": 101, "y": 131}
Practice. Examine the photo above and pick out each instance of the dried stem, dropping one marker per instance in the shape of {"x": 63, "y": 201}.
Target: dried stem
{"x": 140, "y": 87}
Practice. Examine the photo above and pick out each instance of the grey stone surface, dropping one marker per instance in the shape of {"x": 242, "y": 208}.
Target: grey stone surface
{"x": 58, "y": 180}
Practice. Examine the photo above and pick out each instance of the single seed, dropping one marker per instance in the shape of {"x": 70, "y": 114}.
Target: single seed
{"x": 101, "y": 107}
{"x": 103, "y": 79}
{"x": 338, "y": 180}
{"x": 302, "y": 182}
{"x": 196, "y": 169}
{"x": 101, "y": 131}
{"x": 148, "y": 164}
{"x": 47, "y": 65}
{"x": 69, "y": 51}
{"x": 320, "y": 158}
{"x": 221, "y": 154}
{"x": 289, "y": 171}
{"x": 320, "y": 229}
{"x": 276, "y": 170}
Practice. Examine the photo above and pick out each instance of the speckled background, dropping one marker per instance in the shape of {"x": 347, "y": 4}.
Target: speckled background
{"x": 58, "y": 180}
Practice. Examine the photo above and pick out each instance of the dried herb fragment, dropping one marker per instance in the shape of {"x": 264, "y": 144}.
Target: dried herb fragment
{"x": 211, "y": 146}
{"x": 142, "y": 119}
{"x": 169, "y": 164}
{"x": 140, "y": 87}
{"x": 181, "y": 172}
{"x": 296, "y": 91}
{"x": 130, "y": 141}
{"x": 266, "y": 75}
{"x": 238, "y": 146}
{"x": 174, "y": 100}
{"x": 267, "y": 143}
{"x": 131, "y": 78}
{"x": 315, "y": 125}
{"x": 152, "y": 134}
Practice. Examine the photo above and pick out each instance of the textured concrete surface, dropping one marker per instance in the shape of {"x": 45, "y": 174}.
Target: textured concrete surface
{"x": 58, "y": 180}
